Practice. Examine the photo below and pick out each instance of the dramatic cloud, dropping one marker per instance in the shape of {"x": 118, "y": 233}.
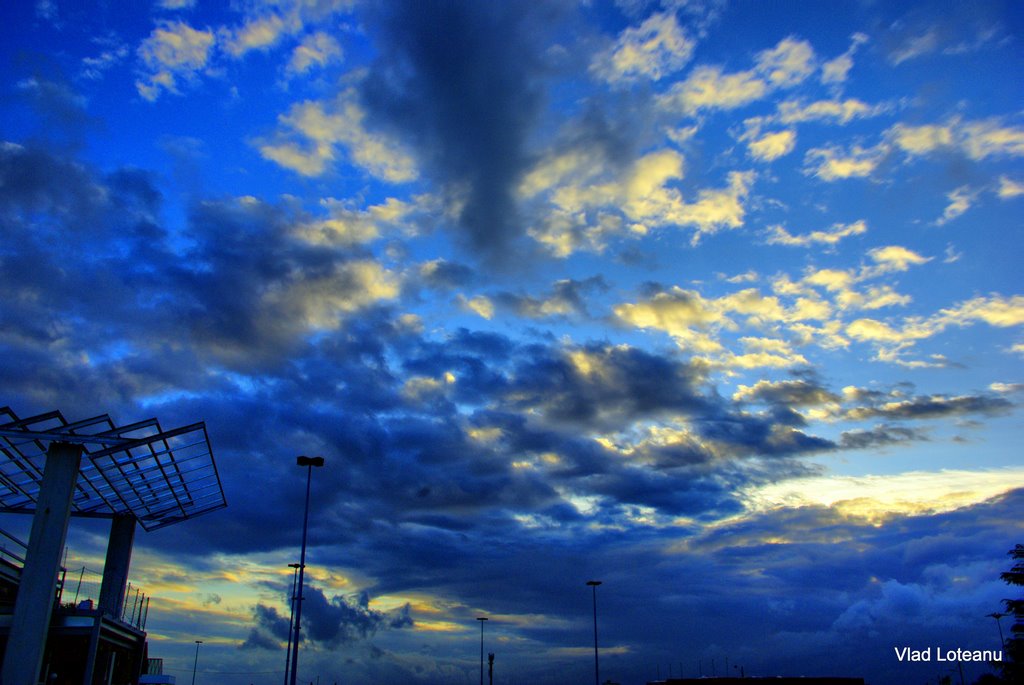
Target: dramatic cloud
{"x": 560, "y": 292}
{"x": 466, "y": 102}
{"x": 329, "y": 621}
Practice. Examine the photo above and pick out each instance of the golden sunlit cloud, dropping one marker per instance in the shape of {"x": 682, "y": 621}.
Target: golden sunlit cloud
{"x": 480, "y": 305}
{"x": 838, "y": 111}
{"x": 833, "y": 164}
{"x": 708, "y": 88}
{"x": 651, "y": 50}
{"x": 777, "y": 235}
{"x": 317, "y": 50}
{"x": 256, "y": 34}
{"x": 320, "y": 126}
{"x": 173, "y": 50}
{"x": 916, "y": 492}
{"x": 835, "y": 71}
{"x": 1010, "y": 188}
{"x": 322, "y": 301}
{"x": 771, "y": 146}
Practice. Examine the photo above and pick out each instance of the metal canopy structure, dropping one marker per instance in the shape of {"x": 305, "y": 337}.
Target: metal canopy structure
{"x": 159, "y": 477}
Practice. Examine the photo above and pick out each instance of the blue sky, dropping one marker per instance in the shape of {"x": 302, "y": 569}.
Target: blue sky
{"x": 717, "y": 302}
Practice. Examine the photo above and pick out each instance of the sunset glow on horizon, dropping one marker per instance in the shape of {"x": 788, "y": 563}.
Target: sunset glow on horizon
{"x": 716, "y": 301}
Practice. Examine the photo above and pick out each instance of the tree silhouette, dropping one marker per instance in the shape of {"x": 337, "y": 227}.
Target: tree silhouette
{"x": 1013, "y": 652}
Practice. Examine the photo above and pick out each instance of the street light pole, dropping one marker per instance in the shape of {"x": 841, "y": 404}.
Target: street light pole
{"x": 291, "y": 623}
{"x": 196, "y": 662}
{"x": 482, "y": 619}
{"x": 997, "y": 616}
{"x": 309, "y": 463}
{"x": 593, "y": 584}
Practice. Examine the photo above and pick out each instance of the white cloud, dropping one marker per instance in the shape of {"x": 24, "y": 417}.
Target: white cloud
{"x": 915, "y": 46}
{"x": 173, "y": 50}
{"x": 840, "y": 111}
{"x": 919, "y": 140}
{"x": 323, "y": 301}
{"x": 652, "y": 50}
{"x": 258, "y": 33}
{"x": 317, "y": 49}
{"x": 959, "y": 202}
{"x": 996, "y": 310}
{"x": 915, "y": 492}
{"x": 777, "y": 235}
{"x": 323, "y": 126}
{"x": 646, "y": 196}
{"x": 831, "y": 163}
{"x": 894, "y": 258}
{"x": 837, "y": 70}
{"x": 479, "y": 305}
{"x": 894, "y": 340}
{"x": 708, "y": 88}
{"x": 576, "y": 164}
{"x": 978, "y": 139}
{"x": 1009, "y": 188}
{"x": 715, "y": 209}
{"x": 788, "y": 63}
{"x": 348, "y": 226}
{"x": 771, "y": 146}
{"x": 989, "y": 138}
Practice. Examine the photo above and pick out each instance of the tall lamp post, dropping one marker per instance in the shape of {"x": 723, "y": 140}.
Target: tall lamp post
{"x": 196, "y": 662}
{"x": 593, "y": 585}
{"x": 997, "y": 616}
{"x": 291, "y": 623}
{"x": 309, "y": 463}
{"x": 482, "y": 619}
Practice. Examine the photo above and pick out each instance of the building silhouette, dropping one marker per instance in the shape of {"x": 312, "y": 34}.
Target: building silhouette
{"x": 134, "y": 475}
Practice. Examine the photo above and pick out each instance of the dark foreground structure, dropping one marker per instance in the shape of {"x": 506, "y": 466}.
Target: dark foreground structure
{"x": 53, "y": 470}
{"x": 754, "y": 680}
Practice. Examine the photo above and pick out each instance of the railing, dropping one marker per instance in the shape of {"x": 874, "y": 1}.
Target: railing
{"x": 140, "y": 608}
{"x": 86, "y": 588}
{"x": 8, "y": 555}
{"x": 154, "y": 667}
{"x": 77, "y": 587}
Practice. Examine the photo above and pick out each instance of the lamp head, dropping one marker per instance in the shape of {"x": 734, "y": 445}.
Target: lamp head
{"x": 309, "y": 461}
{"x": 594, "y": 583}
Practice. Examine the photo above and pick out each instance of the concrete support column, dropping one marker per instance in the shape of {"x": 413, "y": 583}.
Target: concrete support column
{"x": 115, "y": 568}
{"x": 38, "y": 587}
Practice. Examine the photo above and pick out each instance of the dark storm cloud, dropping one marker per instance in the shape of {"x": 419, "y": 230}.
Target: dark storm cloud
{"x": 332, "y": 622}
{"x": 879, "y": 436}
{"x": 339, "y": 620}
{"x": 270, "y": 631}
{"x": 933, "y": 406}
{"x": 444, "y": 275}
{"x": 59, "y": 111}
{"x": 461, "y": 82}
{"x": 795, "y": 393}
{"x": 604, "y": 385}
{"x": 236, "y": 286}
{"x": 33, "y": 180}
{"x": 497, "y": 463}
{"x": 258, "y": 640}
{"x": 568, "y": 298}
